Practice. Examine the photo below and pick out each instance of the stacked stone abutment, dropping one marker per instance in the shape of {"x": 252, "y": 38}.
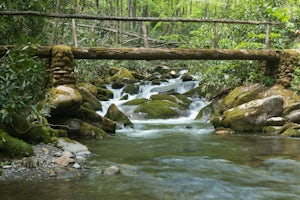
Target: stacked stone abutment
{"x": 62, "y": 67}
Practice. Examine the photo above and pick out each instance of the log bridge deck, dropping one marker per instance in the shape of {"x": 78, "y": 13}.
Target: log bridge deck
{"x": 159, "y": 53}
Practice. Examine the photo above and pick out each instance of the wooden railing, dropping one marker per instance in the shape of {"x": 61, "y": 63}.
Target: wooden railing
{"x": 268, "y": 24}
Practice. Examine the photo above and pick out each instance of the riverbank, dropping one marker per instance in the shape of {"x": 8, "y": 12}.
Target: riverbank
{"x": 49, "y": 162}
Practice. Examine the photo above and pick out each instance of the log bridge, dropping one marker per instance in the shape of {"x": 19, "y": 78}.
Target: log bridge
{"x": 279, "y": 64}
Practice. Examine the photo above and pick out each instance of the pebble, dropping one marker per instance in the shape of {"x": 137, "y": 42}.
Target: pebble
{"x": 42, "y": 165}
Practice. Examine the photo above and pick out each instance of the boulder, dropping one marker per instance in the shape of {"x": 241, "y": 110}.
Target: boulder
{"x": 159, "y": 109}
{"x": 253, "y": 116}
{"x": 88, "y": 87}
{"x": 11, "y": 147}
{"x": 73, "y": 146}
{"x": 116, "y": 115}
{"x": 135, "y": 102}
{"x": 104, "y": 94}
{"x": 121, "y": 74}
{"x": 65, "y": 100}
{"x": 131, "y": 89}
{"x": 109, "y": 171}
{"x": 177, "y": 99}
{"x": 89, "y": 99}
{"x": 91, "y": 117}
{"x": 81, "y": 129}
{"x": 187, "y": 77}
{"x": 294, "y": 116}
{"x": 241, "y": 95}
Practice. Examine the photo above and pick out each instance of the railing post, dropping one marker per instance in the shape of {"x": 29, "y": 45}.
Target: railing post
{"x": 216, "y": 36}
{"x": 267, "y": 39}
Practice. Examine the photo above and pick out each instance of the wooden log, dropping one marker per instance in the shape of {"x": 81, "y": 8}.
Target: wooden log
{"x": 160, "y": 53}
{"x": 115, "y": 18}
{"x": 173, "y": 54}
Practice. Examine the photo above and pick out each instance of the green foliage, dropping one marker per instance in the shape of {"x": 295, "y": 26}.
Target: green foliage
{"x": 23, "y": 80}
{"x": 296, "y": 79}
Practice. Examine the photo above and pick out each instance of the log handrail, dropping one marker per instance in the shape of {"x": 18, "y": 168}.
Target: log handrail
{"x": 116, "y": 18}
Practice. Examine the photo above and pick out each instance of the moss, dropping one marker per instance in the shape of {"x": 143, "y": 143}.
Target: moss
{"x": 120, "y": 74}
{"x": 115, "y": 114}
{"x": 90, "y": 98}
{"x": 12, "y": 147}
{"x": 136, "y": 102}
{"x": 104, "y": 94}
{"x": 131, "y": 89}
{"x": 40, "y": 133}
{"x": 62, "y": 50}
{"x": 81, "y": 129}
{"x": 242, "y": 95}
{"x": 90, "y": 116}
{"x": 272, "y": 129}
{"x": 159, "y": 109}
{"x": 89, "y": 87}
{"x": 65, "y": 100}
{"x": 291, "y": 132}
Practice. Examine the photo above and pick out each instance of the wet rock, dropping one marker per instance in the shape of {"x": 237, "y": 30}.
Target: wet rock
{"x": 113, "y": 170}
{"x": 73, "y": 146}
{"x": 276, "y": 121}
{"x": 241, "y": 95}
{"x": 115, "y": 114}
{"x": 65, "y": 100}
{"x": 274, "y": 130}
{"x": 159, "y": 109}
{"x": 64, "y": 160}
{"x": 294, "y": 116}
{"x": 131, "y": 89}
{"x": 187, "y": 77}
{"x": 252, "y": 116}
{"x": 90, "y": 98}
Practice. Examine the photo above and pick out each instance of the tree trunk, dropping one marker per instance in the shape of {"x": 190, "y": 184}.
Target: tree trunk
{"x": 74, "y": 33}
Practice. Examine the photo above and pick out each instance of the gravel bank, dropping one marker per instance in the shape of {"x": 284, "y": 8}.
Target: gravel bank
{"x": 48, "y": 162}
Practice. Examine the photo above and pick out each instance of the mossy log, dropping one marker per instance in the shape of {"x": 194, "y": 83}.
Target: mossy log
{"x": 159, "y": 53}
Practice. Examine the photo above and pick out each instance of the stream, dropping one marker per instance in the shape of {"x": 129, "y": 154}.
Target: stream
{"x": 176, "y": 159}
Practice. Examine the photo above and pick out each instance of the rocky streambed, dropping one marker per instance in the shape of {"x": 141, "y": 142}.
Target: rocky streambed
{"x": 67, "y": 159}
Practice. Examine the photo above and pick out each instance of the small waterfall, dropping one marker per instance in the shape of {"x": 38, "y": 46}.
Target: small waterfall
{"x": 146, "y": 90}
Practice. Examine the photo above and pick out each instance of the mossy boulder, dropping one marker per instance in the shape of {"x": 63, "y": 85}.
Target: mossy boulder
{"x": 116, "y": 115}
{"x": 32, "y": 133}
{"x": 90, "y": 98}
{"x": 272, "y": 130}
{"x": 204, "y": 114}
{"x": 11, "y": 147}
{"x": 292, "y": 132}
{"x": 241, "y": 95}
{"x": 134, "y": 102}
{"x": 78, "y": 128}
{"x": 65, "y": 100}
{"x": 177, "y": 99}
{"x": 187, "y": 77}
{"x": 91, "y": 117}
{"x": 88, "y": 87}
{"x": 104, "y": 94}
{"x": 121, "y": 74}
{"x": 253, "y": 116}
{"x": 131, "y": 89}
{"x": 159, "y": 109}
{"x": 290, "y": 97}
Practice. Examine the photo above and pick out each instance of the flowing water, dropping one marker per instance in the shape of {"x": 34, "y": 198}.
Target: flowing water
{"x": 176, "y": 159}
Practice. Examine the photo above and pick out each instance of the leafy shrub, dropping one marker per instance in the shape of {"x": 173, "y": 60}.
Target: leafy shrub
{"x": 23, "y": 79}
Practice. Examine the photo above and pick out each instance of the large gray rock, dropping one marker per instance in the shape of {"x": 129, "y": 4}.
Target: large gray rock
{"x": 294, "y": 116}
{"x": 73, "y": 146}
{"x": 65, "y": 99}
{"x": 252, "y": 116}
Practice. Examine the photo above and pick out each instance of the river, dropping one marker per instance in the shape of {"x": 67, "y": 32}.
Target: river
{"x": 177, "y": 159}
